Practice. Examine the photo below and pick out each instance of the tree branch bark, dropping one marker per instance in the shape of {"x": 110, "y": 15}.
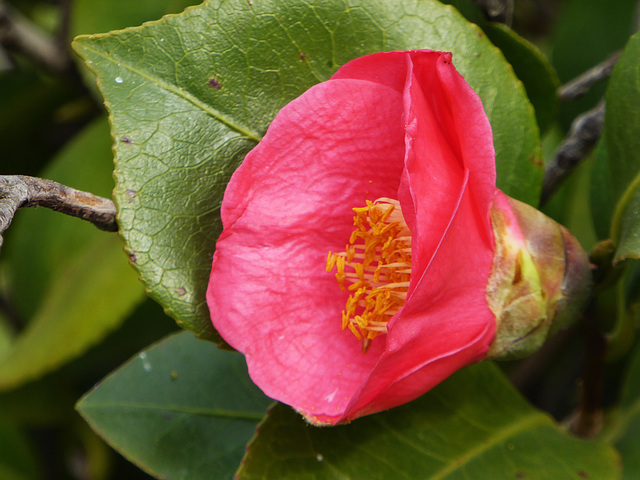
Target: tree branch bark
{"x": 581, "y": 84}
{"x": 582, "y": 137}
{"x": 18, "y": 191}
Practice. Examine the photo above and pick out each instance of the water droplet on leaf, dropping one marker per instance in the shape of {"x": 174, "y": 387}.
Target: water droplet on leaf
{"x": 145, "y": 363}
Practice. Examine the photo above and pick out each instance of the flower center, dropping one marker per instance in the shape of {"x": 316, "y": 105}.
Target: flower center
{"x": 375, "y": 267}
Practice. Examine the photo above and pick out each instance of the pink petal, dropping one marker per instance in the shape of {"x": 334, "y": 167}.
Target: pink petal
{"x": 286, "y": 207}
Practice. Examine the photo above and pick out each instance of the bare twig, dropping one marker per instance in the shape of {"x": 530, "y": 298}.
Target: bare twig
{"x": 497, "y": 10}
{"x": 19, "y": 34}
{"x": 582, "y": 137}
{"x": 18, "y": 191}
{"x": 581, "y": 85}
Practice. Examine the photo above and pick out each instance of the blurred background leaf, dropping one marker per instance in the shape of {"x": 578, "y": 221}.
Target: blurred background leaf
{"x": 622, "y": 124}
{"x": 97, "y": 16}
{"x": 17, "y": 461}
{"x": 624, "y": 426}
{"x": 81, "y": 272}
{"x": 586, "y": 33}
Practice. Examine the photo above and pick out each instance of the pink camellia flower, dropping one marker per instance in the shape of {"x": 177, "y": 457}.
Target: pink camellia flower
{"x": 357, "y": 248}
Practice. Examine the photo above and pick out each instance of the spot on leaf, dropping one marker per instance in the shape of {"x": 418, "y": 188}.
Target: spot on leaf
{"x": 214, "y": 83}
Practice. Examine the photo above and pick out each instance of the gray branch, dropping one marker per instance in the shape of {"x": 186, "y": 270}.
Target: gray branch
{"x": 581, "y": 85}
{"x": 18, "y": 191}
{"x": 582, "y": 137}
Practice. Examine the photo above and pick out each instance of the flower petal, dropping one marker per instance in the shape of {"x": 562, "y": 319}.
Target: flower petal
{"x": 285, "y": 208}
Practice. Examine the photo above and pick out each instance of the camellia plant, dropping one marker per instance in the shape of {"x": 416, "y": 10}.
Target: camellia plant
{"x": 396, "y": 245}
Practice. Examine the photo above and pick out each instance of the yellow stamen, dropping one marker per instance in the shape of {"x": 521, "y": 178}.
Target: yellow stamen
{"x": 375, "y": 267}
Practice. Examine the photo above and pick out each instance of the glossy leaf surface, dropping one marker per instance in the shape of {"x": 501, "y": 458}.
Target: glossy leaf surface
{"x": 182, "y": 409}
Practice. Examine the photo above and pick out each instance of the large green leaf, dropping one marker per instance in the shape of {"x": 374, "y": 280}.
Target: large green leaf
{"x": 473, "y": 426}
{"x": 191, "y": 94}
{"x": 181, "y": 410}
{"x": 622, "y": 123}
{"x": 69, "y": 279}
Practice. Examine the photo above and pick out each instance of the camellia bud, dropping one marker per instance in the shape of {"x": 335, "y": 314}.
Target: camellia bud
{"x": 540, "y": 278}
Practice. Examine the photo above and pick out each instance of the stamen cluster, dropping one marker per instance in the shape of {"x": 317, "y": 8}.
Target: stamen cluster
{"x": 375, "y": 267}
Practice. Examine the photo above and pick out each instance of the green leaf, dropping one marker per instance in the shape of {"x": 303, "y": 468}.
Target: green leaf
{"x": 182, "y": 409}
{"x": 622, "y": 123}
{"x": 191, "y": 94}
{"x": 473, "y": 426}
{"x": 69, "y": 279}
{"x": 532, "y": 68}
